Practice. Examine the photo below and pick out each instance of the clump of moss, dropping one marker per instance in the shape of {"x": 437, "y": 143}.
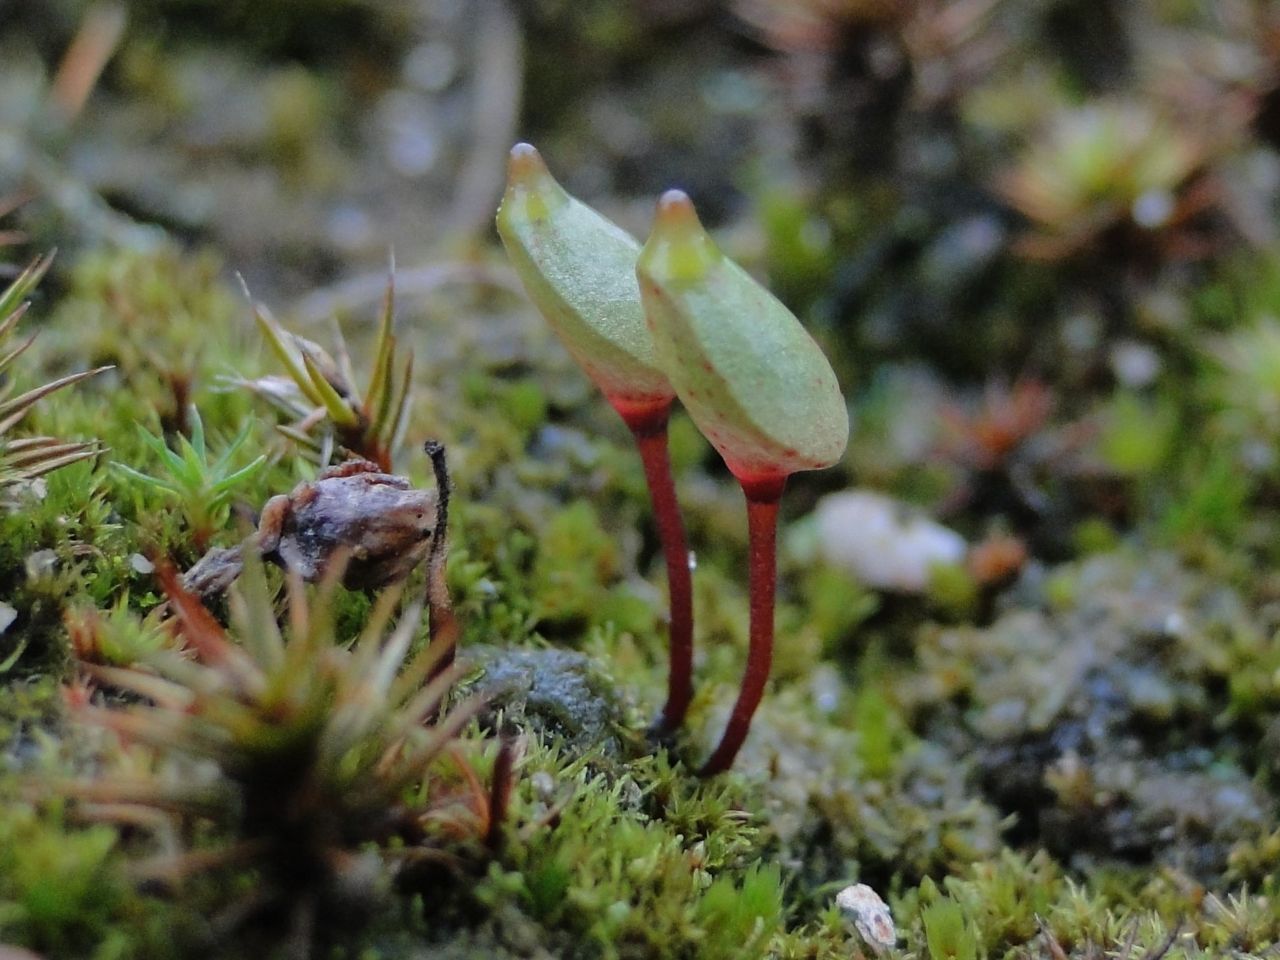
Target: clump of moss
{"x": 64, "y": 891}
{"x": 294, "y": 752}
{"x": 649, "y": 864}
{"x": 145, "y": 311}
{"x": 1086, "y": 713}
{"x": 559, "y": 695}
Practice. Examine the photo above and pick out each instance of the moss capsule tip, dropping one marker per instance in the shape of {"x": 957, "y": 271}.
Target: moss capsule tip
{"x": 525, "y": 164}
{"x": 679, "y": 249}
{"x": 676, "y": 212}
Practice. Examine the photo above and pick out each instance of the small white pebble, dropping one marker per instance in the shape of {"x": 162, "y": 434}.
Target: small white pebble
{"x": 41, "y": 564}
{"x": 883, "y": 542}
{"x": 1134, "y": 364}
{"x": 544, "y": 786}
{"x": 869, "y": 914}
{"x": 141, "y": 564}
{"x": 1153, "y": 208}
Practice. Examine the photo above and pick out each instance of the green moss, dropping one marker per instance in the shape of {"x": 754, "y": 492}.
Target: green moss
{"x": 64, "y": 891}
{"x": 953, "y": 591}
{"x": 145, "y": 311}
{"x": 1092, "y": 747}
{"x": 1137, "y": 435}
{"x": 577, "y": 561}
{"x": 946, "y": 933}
{"x": 556, "y": 694}
{"x": 649, "y": 865}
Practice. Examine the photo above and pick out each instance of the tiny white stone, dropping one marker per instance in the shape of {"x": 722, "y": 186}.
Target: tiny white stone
{"x": 7, "y": 615}
{"x": 869, "y": 914}
{"x": 884, "y": 543}
{"x": 1153, "y": 208}
{"x": 544, "y": 786}
{"x": 41, "y": 563}
{"x": 141, "y": 564}
{"x": 1135, "y": 364}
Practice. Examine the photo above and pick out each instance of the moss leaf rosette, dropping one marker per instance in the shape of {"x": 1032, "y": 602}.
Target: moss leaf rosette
{"x": 754, "y": 381}
{"x": 579, "y": 270}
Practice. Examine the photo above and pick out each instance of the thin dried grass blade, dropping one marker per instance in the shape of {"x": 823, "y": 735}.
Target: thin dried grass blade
{"x": 394, "y": 651}
{"x": 154, "y": 726}
{"x": 19, "y": 454}
{"x": 368, "y": 644}
{"x": 11, "y": 321}
{"x": 426, "y": 663}
{"x": 88, "y": 451}
{"x": 12, "y": 410}
{"x": 174, "y": 797}
{"x": 19, "y": 350}
{"x": 253, "y": 609}
{"x": 425, "y": 703}
{"x": 175, "y": 869}
{"x": 299, "y": 609}
{"x": 25, "y": 282}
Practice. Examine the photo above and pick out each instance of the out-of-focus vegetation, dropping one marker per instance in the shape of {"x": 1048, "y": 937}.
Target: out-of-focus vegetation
{"x": 1027, "y": 679}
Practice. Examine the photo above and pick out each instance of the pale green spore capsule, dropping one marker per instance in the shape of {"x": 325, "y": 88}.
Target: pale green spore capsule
{"x": 579, "y": 270}
{"x": 754, "y": 381}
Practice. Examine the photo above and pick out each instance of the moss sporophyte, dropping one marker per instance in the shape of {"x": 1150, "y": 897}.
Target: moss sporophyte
{"x": 760, "y": 389}
{"x": 679, "y": 319}
{"x": 579, "y": 270}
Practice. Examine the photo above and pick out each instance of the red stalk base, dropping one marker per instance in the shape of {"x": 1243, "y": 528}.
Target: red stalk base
{"x": 763, "y": 495}
{"x": 648, "y": 423}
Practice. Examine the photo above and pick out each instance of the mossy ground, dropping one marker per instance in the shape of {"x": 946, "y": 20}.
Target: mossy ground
{"x": 1075, "y": 761}
{"x": 1082, "y": 769}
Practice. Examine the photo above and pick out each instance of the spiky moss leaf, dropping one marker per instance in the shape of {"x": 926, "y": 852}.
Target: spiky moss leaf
{"x": 740, "y": 919}
{"x": 67, "y": 544}
{"x": 947, "y": 934}
{"x": 751, "y": 377}
{"x": 26, "y": 458}
{"x": 579, "y": 270}
{"x": 1014, "y": 905}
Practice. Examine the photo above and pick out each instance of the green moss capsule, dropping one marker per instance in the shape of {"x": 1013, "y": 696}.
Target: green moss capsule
{"x": 749, "y": 374}
{"x": 579, "y": 270}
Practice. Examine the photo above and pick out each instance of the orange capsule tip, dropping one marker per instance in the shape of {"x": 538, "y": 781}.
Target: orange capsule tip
{"x": 525, "y": 163}
{"x": 675, "y": 209}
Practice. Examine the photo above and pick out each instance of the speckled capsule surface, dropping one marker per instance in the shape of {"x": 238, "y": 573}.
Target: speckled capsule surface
{"x": 579, "y": 270}
{"x": 753, "y": 379}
